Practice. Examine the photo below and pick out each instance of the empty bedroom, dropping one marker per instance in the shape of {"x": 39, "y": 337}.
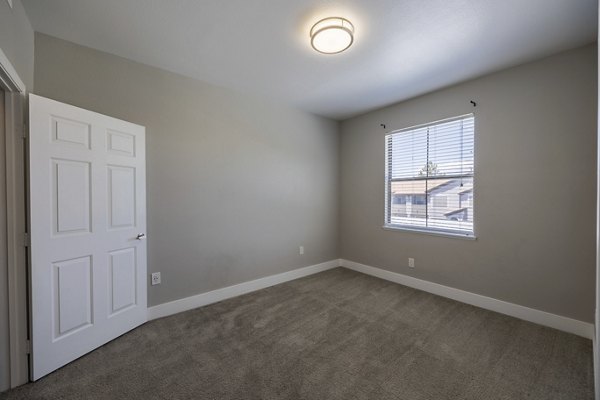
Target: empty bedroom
{"x": 303, "y": 199}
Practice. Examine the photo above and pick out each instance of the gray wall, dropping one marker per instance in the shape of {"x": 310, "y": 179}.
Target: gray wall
{"x": 597, "y": 314}
{"x": 4, "y": 331}
{"x": 16, "y": 40}
{"x": 535, "y": 187}
{"x": 234, "y": 184}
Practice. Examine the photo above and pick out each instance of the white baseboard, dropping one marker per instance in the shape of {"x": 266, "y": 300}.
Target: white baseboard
{"x": 596, "y": 366}
{"x": 203, "y": 299}
{"x": 565, "y": 324}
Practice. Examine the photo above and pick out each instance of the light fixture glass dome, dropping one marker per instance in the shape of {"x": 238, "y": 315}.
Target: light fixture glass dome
{"x": 332, "y": 35}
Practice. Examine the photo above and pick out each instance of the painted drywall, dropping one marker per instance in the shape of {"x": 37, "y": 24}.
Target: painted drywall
{"x": 4, "y": 332}
{"x": 535, "y": 187}
{"x": 235, "y": 184}
{"x": 597, "y": 313}
{"x": 17, "y": 40}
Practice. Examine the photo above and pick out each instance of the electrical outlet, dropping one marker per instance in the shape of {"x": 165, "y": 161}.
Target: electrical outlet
{"x": 155, "y": 278}
{"x": 411, "y": 263}
{"x": 301, "y": 250}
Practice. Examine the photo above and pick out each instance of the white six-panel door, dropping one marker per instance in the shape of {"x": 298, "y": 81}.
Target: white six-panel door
{"x": 88, "y": 217}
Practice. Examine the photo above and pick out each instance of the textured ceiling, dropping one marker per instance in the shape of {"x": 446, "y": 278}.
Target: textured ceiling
{"x": 403, "y": 48}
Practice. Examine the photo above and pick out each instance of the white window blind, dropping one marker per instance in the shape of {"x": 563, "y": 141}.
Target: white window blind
{"x": 429, "y": 177}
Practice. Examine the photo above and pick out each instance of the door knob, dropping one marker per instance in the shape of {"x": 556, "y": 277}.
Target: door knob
{"x": 141, "y": 236}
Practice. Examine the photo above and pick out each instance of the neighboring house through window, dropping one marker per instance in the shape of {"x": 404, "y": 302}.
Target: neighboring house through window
{"x": 429, "y": 177}
{"x": 399, "y": 199}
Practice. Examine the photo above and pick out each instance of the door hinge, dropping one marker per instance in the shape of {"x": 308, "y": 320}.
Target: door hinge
{"x": 28, "y": 347}
{"x": 25, "y": 131}
{"x": 26, "y": 239}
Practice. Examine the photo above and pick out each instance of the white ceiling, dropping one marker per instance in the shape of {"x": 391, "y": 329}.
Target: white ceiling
{"x": 402, "y": 48}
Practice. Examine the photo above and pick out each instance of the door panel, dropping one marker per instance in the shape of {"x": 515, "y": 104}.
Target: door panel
{"x": 88, "y": 194}
{"x": 72, "y": 296}
{"x": 121, "y": 195}
{"x": 121, "y": 143}
{"x": 71, "y": 132}
{"x": 71, "y": 195}
{"x": 123, "y": 267}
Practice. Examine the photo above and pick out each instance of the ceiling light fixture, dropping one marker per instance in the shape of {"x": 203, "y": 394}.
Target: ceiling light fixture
{"x": 332, "y": 35}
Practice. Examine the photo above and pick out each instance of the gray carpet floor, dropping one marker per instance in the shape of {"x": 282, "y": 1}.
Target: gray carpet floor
{"x": 335, "y": 335}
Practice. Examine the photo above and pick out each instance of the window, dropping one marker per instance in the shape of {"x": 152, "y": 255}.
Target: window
{"x": 440, "y": 201}
{"x": 418, "y": 199}
{"x": 399, "y": 199}
{"x": 431, "y": 166}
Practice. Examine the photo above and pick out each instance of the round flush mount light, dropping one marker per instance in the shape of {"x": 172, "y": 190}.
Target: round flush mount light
{"x": 332, "y": 35}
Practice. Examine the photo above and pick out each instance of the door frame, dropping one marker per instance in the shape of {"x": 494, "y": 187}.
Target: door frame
{"x": 16, "y": 212}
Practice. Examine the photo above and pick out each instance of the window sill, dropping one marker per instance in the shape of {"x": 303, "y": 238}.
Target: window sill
{"x": 429, "y": 232}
